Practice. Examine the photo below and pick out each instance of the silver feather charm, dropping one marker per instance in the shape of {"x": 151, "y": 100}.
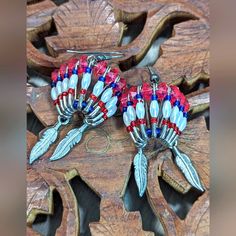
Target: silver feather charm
{"x": 72, "y": 138}
{"x": 140, "y": 172}
{"x": 48, "y": 138}
{"x": 187, "y": 168}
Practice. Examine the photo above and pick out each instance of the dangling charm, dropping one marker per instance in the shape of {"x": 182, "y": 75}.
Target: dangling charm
{"x": 64, "y": 82}
{"x": 130, "y": 116}
{"x": 157, "y": 111}
{"x": 48, "y": 137}
{"x": 100, "y": 105}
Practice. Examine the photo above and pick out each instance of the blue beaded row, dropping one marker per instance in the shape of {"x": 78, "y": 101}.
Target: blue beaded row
{"x": 177, "y": 103}
{"x": 168, "y": 97}
{"x": 185, "y": 114}
{"x": 59, "y": 78}
{"x": 129, "y": 103}
{"x": 53, "y": 84}
{"x": 124, "y": 109}
{"x": 74, "y": 71}
{"x": 181, "y": 108}
{"x": 154, "y": 97}
{"x": 66, "y": 75}
{"x": 102, "y": 78}
{"x": 118, "y": 93}
{"x": 139, "y": 96}
{"x": 84, "y": 104}
{"x": 75, "y": 104}
{"x": 88, "y": 70}
{"x": 149, "y": 132}
{"x": 158, "y": 131}
{"x": 91, "y": 109}
{"x": 113, "y": 85}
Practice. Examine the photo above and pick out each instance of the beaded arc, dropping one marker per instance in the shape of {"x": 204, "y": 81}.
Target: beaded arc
{"x": 157, "y": 111}
{"x": 88, "y": 86}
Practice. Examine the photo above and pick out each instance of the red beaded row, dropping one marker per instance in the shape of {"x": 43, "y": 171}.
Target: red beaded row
{"x": 98, "y": 70}
{"x": 153, "y": 120}
{"x": 171, "y": 125}
{"x": 83, "y": 91}
{"x": 161, "y": 92}
{"x": 105, "y": 117}
{"x": 56, "y": 102}
{"x": 93, "y": 97}
{"x": 129, "y": 128}
{"x": 71, "y": 91}
{"x": 101, "y": 104}
{"x": 142, "y": 121}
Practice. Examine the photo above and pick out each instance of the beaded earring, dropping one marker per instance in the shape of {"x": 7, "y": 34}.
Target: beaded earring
{"x": 96, "y": 102}
{"x": 157, "y": 111}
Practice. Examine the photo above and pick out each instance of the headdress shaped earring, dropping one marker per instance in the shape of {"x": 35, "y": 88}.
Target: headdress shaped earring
{"x": 158, "y": 111}
{"x": 96, "y": 103}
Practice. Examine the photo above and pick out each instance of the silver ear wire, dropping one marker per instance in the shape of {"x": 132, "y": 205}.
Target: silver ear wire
{"x": 154, "y": 76}
{"x": 100, "y": 56}
{"x": 117, "y": 79}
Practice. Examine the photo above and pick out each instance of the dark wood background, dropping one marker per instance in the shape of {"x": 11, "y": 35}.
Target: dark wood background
{"x": 92, "y": 190}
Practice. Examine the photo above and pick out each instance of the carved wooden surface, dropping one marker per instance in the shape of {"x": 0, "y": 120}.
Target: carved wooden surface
{"x": 186, "y": 53}
{"x": 93, "y": 160}
{"x": 103, "y": 159}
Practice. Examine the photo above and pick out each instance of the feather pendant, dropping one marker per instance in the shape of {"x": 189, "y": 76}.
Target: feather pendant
{"x": 47, "y": 139}
{"x": 187, "y": 168}
{"x": 72, "y": 138}
{"x": 140, "y": 172}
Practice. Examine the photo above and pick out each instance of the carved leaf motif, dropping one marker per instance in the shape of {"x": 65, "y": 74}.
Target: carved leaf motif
{"x": 41, "y": 147}
{"x": 140, "y": 172}
{"x": 116, "y": 221}
{"x": 40, "y": 102}
{"x": 84, "y": 24}
{"x": 38, "y": 195}
{"x": 186, "y": 54}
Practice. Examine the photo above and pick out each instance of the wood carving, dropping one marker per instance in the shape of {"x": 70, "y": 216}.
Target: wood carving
{"x": 97, "y": 148}
{"x": 97, "y": 27}
{"x": 192, "y": 49}
{"x": 39, "y": 18}
{"x": 103, "y": 159}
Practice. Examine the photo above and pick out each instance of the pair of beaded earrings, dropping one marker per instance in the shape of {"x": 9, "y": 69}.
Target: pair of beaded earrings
{"x": 153, "y": 110}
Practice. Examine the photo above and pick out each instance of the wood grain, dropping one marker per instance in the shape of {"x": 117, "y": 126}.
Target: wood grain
{"x": 103, "y": 159}
{"x": 185, "y": 56}
{"x": 109, "y": 149}
{"x": 39, "y": 18}
{"x": 96, "y": 22}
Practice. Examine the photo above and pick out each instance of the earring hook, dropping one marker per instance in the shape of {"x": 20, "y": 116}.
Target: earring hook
{"x": 154, "y": 76}
{"x": 100, "y": 56}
